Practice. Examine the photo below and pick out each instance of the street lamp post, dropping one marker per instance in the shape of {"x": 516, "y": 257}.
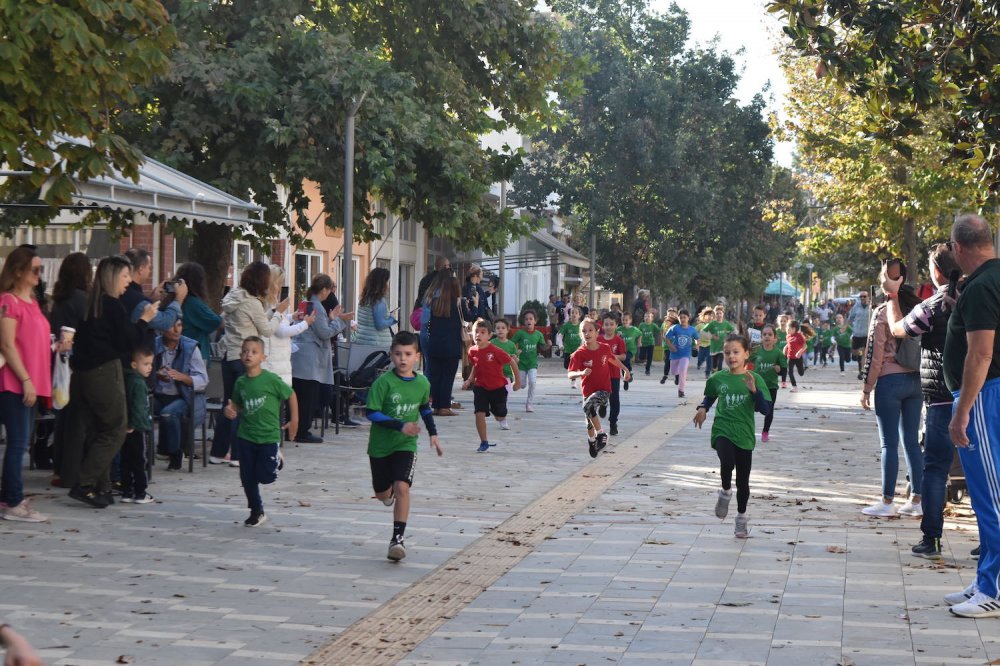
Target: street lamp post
{"x": 809, "y": 277}
{"x": 347, "y": 279}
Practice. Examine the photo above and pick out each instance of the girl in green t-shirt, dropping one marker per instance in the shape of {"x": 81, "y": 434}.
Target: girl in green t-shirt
{"x": 842, "y": 337}
{"x": 648, "y": 340}
{"x": 571, "y": 339}
{"x": 740, "y": 393}
{"x": 769, "y": 362}
{"x": 529, "y": 342}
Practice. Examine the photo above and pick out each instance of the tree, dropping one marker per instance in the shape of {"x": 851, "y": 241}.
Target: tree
{"x": 258, "y": 96}
{"x": 862, "y": 191}
{"x": 67, "y": 67}
{"x": 908, "y": 61}
{"x": 657, "y": 158}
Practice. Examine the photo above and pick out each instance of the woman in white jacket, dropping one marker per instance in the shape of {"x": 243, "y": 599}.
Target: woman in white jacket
{"x": 279, "y": 346}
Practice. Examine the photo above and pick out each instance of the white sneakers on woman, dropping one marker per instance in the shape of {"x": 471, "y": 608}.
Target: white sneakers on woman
{"x": 880, "y": 510}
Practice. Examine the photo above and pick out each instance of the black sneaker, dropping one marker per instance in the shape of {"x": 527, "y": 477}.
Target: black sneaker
{"x": 309, "y": 438}
{"x": 680, "y": 394}
{"x": 602, "y": 441}
{"x": 614, "y": 428}
{"x": 647, "y": 373}
{"x": 256, "y": 519}
{"x": 929, "y": 548}
{"x": 625, "y": 385}
{"x": 592, "y": 447}
{"x": 602, "y": 411}
{"x": 176, "y": 459}
{"x": 975, "y": 553}
{"x": 89, "y": 496}
{"x": 109, "y": 497}
{"x": 397, "y": 550}
{"x": 348, "y": 422}
{"x": 663, "y": 379}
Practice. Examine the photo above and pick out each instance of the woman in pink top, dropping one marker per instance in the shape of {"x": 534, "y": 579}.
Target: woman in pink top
{"x": 25, "y": 377}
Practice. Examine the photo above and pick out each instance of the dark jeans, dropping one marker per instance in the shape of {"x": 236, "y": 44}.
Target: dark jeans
{"x": 646, "y": 354}
{"x": 101, "y": 420}
{"x": 173, "y": 411}
{"x": 614, "y": 402}
{"x": 705, "y": 357}
{"x": 442, "y": 378}
{"x": 134, "y": 464}
{"x": 16, "y": 419}
{"x": 939, "y": 452}
{"x": 307, "y": 392}
{"x": 225, "y": 430}
{"x": 769, "y": 419}
{"x": 258, "y": 465}
{"x": 628, "y": 361}
{"x": 733, "y": 457}
{"x": 844, "y": 354}
{"x": 793, "y": 365}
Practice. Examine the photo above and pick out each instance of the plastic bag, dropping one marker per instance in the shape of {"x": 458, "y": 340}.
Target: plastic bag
{"x": 60, "y": 381}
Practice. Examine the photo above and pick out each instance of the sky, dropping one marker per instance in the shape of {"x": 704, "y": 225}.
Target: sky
{"x": 741, "y": 24}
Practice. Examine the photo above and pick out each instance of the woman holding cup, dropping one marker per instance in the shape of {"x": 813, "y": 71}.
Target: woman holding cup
{"x": 26, "y": 375}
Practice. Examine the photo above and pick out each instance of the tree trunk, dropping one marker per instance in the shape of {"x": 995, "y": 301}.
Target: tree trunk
{"x": 213, "y": 249}
{"x": 910, "y": 251}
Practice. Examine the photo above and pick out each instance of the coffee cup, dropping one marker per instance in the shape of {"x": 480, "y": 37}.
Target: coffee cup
{"x": 67, "y": 333}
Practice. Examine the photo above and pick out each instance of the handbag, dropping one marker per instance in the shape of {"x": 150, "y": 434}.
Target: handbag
{"x": 60, "y": 381}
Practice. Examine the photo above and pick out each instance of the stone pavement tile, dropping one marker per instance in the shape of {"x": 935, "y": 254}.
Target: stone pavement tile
{"x": 798, "y": 653}
{"x": 743, "y": 648}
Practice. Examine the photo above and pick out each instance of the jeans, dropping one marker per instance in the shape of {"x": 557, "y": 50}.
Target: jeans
{"x": 172, "y": 411}
{"x": 705, "y": 356}
{"x": 258, "y": 464}
{"x": 614, "y": 402}
{"x": 425, "y": 341}
{"x": 225, "y": 430}
{"x": 442, "y": 378}
{"x": 939, "y": 452}
{"x": 897, "y": 410}
{"x": 16, "y": 419}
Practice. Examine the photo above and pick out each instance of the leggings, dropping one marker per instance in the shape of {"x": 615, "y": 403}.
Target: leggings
{"x": 844, "y": 354}
{"x": 793, "y": 364}
{"x": 730, "y": 457}
{"x": 717, "y": 361}
{"x": 679, "y": 367}
{"x": 770, "y": 415}
{"x": 528, "y": 379}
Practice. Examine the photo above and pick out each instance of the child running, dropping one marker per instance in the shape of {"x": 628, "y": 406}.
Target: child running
{"x": 630, "y": 334}
{"x": 529, "y": 342}
{"x": 501, "y": 339}
{"x": 489, "y": 392}
{"x": 570, "y": 332}
{"x": 768, "y": 362}
{"x": 842, "y": 334}
{"x": 679, "y": 340}
{"x": 795, "y": 349}
{"x": 609, "y": 336}
{"x": 740, "y": 393}
{"x": 648, "y": 340}
{"x": 256, "y": 400}
{"x": 705, "y": 317}
{"x": 593, "y": 362}
{"x": 396, "y": 401}
{"x": 718, "y": 329}
{"x": 825, "y": 342}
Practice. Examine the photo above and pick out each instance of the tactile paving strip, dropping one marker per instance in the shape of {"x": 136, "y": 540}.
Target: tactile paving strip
{"x": 395, "y": 629}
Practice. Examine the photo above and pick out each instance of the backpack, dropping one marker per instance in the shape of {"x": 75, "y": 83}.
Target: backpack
{"x": 374, "y": 364}
{"x": 908, "y": 352}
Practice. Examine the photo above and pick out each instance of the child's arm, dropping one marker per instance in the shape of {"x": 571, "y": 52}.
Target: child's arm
{"x": 231, "y": 411}
{"x": 471, "y": 381}
{"x": 618, "y": 361}
{"x": 668, "y": 343}
{"x": 517, "y": 373}
{"x": 573, "y": 374}
{"x": 701, "y": 411}
{"x": 427, "y": 414}
{"x": 293, "y": 415}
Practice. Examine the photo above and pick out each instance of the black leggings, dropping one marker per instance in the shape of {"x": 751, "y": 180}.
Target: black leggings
{"x": 717, "y": 361}
{"x": 647, "y": 355}
{"x": 794, "y": 363}
{"x": 770, "y": 415}
{"x": 844, "y": 354}
{"x": 732, "y": 456}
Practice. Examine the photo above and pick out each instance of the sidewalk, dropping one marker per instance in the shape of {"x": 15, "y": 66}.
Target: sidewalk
{"x": 643, "y": 574}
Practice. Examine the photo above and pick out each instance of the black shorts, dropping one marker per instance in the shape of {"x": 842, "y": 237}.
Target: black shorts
{"x": 490, "y": 402}
{"x": 394, "y": 467}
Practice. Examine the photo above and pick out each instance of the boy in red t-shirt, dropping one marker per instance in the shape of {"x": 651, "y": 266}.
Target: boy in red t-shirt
{"x": 488, "y": 381}
{"x": 795, "y": 349}
{"x": 609, "y": 336}
{"x": 593, "y": 362}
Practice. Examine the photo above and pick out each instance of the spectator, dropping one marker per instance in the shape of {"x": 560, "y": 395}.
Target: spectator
{"x": 135, "y": 300}
{"x": 180, "y": 377}
{"x": 432, "y": 292}
{"x": 444, "y": 347}
{"x": 858, "y": 318}
{"x": 474, "y": 296}
{"x": 200, "y": 321}
{"x": 312, "y": 361}
{"x": 243, "y": 315}
{"x": 374, "y": 318}
{"x": 104, "y": 341}
{"x": 442, "y": 263}
{"x": 25, "y": 377}
{"x": 279, "y": 346}
{"x": 972, "y": 372}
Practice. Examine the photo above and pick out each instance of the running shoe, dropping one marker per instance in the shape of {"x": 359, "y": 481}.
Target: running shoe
{"x": 592, "y": 447}
{"x": 978, "y": 606}
{"x": 974, "y": 553}
{"x": 504, "y": 425}
{"x": 722, "y": 504}
{"x": 663, "y": 379}
{"x": 388, "y": 501}
{"x": 911, "y": 509}
{"x": 614, "y": 428}
{"x": 23, "y": 513}
{"x": 256, "y": 519}
{"x": 677, "y": 380}
{"x": 529, "y": 408}
{"x": 483, "y": 447}
{"x": 929, "y": 548}
{"x": 880, "y": 509}
{"x": 144, "y": 498}
{"x": 961, "y": 597}
{"x": 397, "y": 550}
{"x": 742, "y": 529}
{"x": 680, "y": 394}
{"x": 765, "y": 436}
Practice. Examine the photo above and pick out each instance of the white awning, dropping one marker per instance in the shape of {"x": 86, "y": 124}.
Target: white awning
{"x": 161, "y": 191}
{"x": 567, "y": 255}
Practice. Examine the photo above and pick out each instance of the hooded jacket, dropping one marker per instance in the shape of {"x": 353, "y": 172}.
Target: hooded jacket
{"x": 243, "y": 315}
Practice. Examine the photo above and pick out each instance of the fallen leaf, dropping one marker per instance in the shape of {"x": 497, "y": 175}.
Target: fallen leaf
{"x": 836, "y": 549}
{"x": 305, "y": 503}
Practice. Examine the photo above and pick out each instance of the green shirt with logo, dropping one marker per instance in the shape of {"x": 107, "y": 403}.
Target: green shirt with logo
{"x": 764, "y": 362}
{"x": 631, "y": 335}
{"x": 399, "y": 399}
{"x": 511, "y": 350}
{"x": 259, "y": 399}
{"x": 527, "y": 345}
{"x": 571, "y": 337}
{"x": 648, "y": 334}
{"x": 720, "y": 329}
{"x": 843, "y": 338}
{"x": 734, "y": 407}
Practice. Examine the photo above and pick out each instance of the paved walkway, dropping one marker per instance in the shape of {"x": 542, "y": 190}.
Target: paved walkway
{"x": 619, "y": 560}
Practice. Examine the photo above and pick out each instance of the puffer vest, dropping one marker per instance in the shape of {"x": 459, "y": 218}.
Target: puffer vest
{"x": 932, "y": 352}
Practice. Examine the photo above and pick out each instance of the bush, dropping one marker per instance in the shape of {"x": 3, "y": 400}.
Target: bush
{"x": 541, "y": 318}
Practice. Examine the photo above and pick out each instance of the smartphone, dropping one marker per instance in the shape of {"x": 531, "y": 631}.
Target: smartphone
{"x": 892, "y": 269}
{"x": 305, "y": 308}
{"x": 284, "y": 293}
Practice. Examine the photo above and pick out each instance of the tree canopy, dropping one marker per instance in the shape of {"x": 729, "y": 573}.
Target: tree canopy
{"x": 657, "y": 158}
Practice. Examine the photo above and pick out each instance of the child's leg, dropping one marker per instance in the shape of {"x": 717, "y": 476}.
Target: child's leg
{"x": 674, "y": 364}
{"x": 682, "y": 372}
{"x": 532, "y": 377}
{"x": 727, "y": 461}
{"x": 248, "y": 475}
{"x": 614, "y": 402}
{"x": 628, "y": 362}
{"x": 136, "y": 466}
{"x": 401, "y": 508}
{"x": 792, "y": 362}
{"x": 649, "y": 358}
{"x": 128, "y": 464}
{"x": 481, "y": 426}
{"x": 744, "y": 461}
{"x": 770, "y": 415}
{"x": 666, "y": 361}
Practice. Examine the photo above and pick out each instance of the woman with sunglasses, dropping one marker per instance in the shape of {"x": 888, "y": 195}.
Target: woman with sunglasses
{"x": 26, "y": 375}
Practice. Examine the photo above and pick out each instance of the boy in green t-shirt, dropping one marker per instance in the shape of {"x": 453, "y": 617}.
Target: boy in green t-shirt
{"x": 529, "y": 342}
{"x": 571, "y": 339}
{"x": 842, "y": 334}
{"x": 396, "y": 402}
{"x": 648, "y": 340}
{"x": 717, "y": 330}
{"x": 256, "y": 400}
{"x": 630, "y": 334}
{"x": 825, "y": 340}
{"x": 740, "y": 393}
{"x": 133, "y": 453}
{"x": 502, "y": 340}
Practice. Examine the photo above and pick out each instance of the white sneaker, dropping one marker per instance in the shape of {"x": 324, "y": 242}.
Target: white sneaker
{"x": 234, "y": 463}
{"x": 529, "y": 408}
{"x": 911, "y": 509}
{"x": 214, "y": 460}
{"x": 504, "y": 425}
{"x": 880, "y": 509}
{"x": 979, "y": 605}
{"x": 23, "y": 513}
{"x": 722, "y": 503}
{"x": 963, "y": 596}
{"x": 144, "y": 498}
{"x": 742, "y": 529}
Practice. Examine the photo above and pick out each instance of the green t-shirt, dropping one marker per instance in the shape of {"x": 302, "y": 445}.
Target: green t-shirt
{"x": 527, "y": 345}
{"x": 511, "y": 350}
{"x": 259, "y": 399}
{"x": 703, "y": 340}
{"x": 825, "y": 337}
{"x": 648, "y": 334}
{"x": 734, "y": 407}
{"x": 631, "y": 335}
{"x": 571, "y": 337}
{"x": 782, "y": 338}
{"x": 399, "y": 399}
{"x": 720, "y": 329}
{"x": 764, "y": 362}
{"x": 843, "y": 338}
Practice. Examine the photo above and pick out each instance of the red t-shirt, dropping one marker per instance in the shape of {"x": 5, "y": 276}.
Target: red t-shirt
{"x": 599, "y": 361}
{"x": 617, "y": 343}
{"x": 489, "y": 363}
{"x": 794, "y": 343}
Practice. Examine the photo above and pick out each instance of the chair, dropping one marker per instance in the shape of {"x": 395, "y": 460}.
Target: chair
{"x": 213, "y": 405}
{"x": 349, "y": 358}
